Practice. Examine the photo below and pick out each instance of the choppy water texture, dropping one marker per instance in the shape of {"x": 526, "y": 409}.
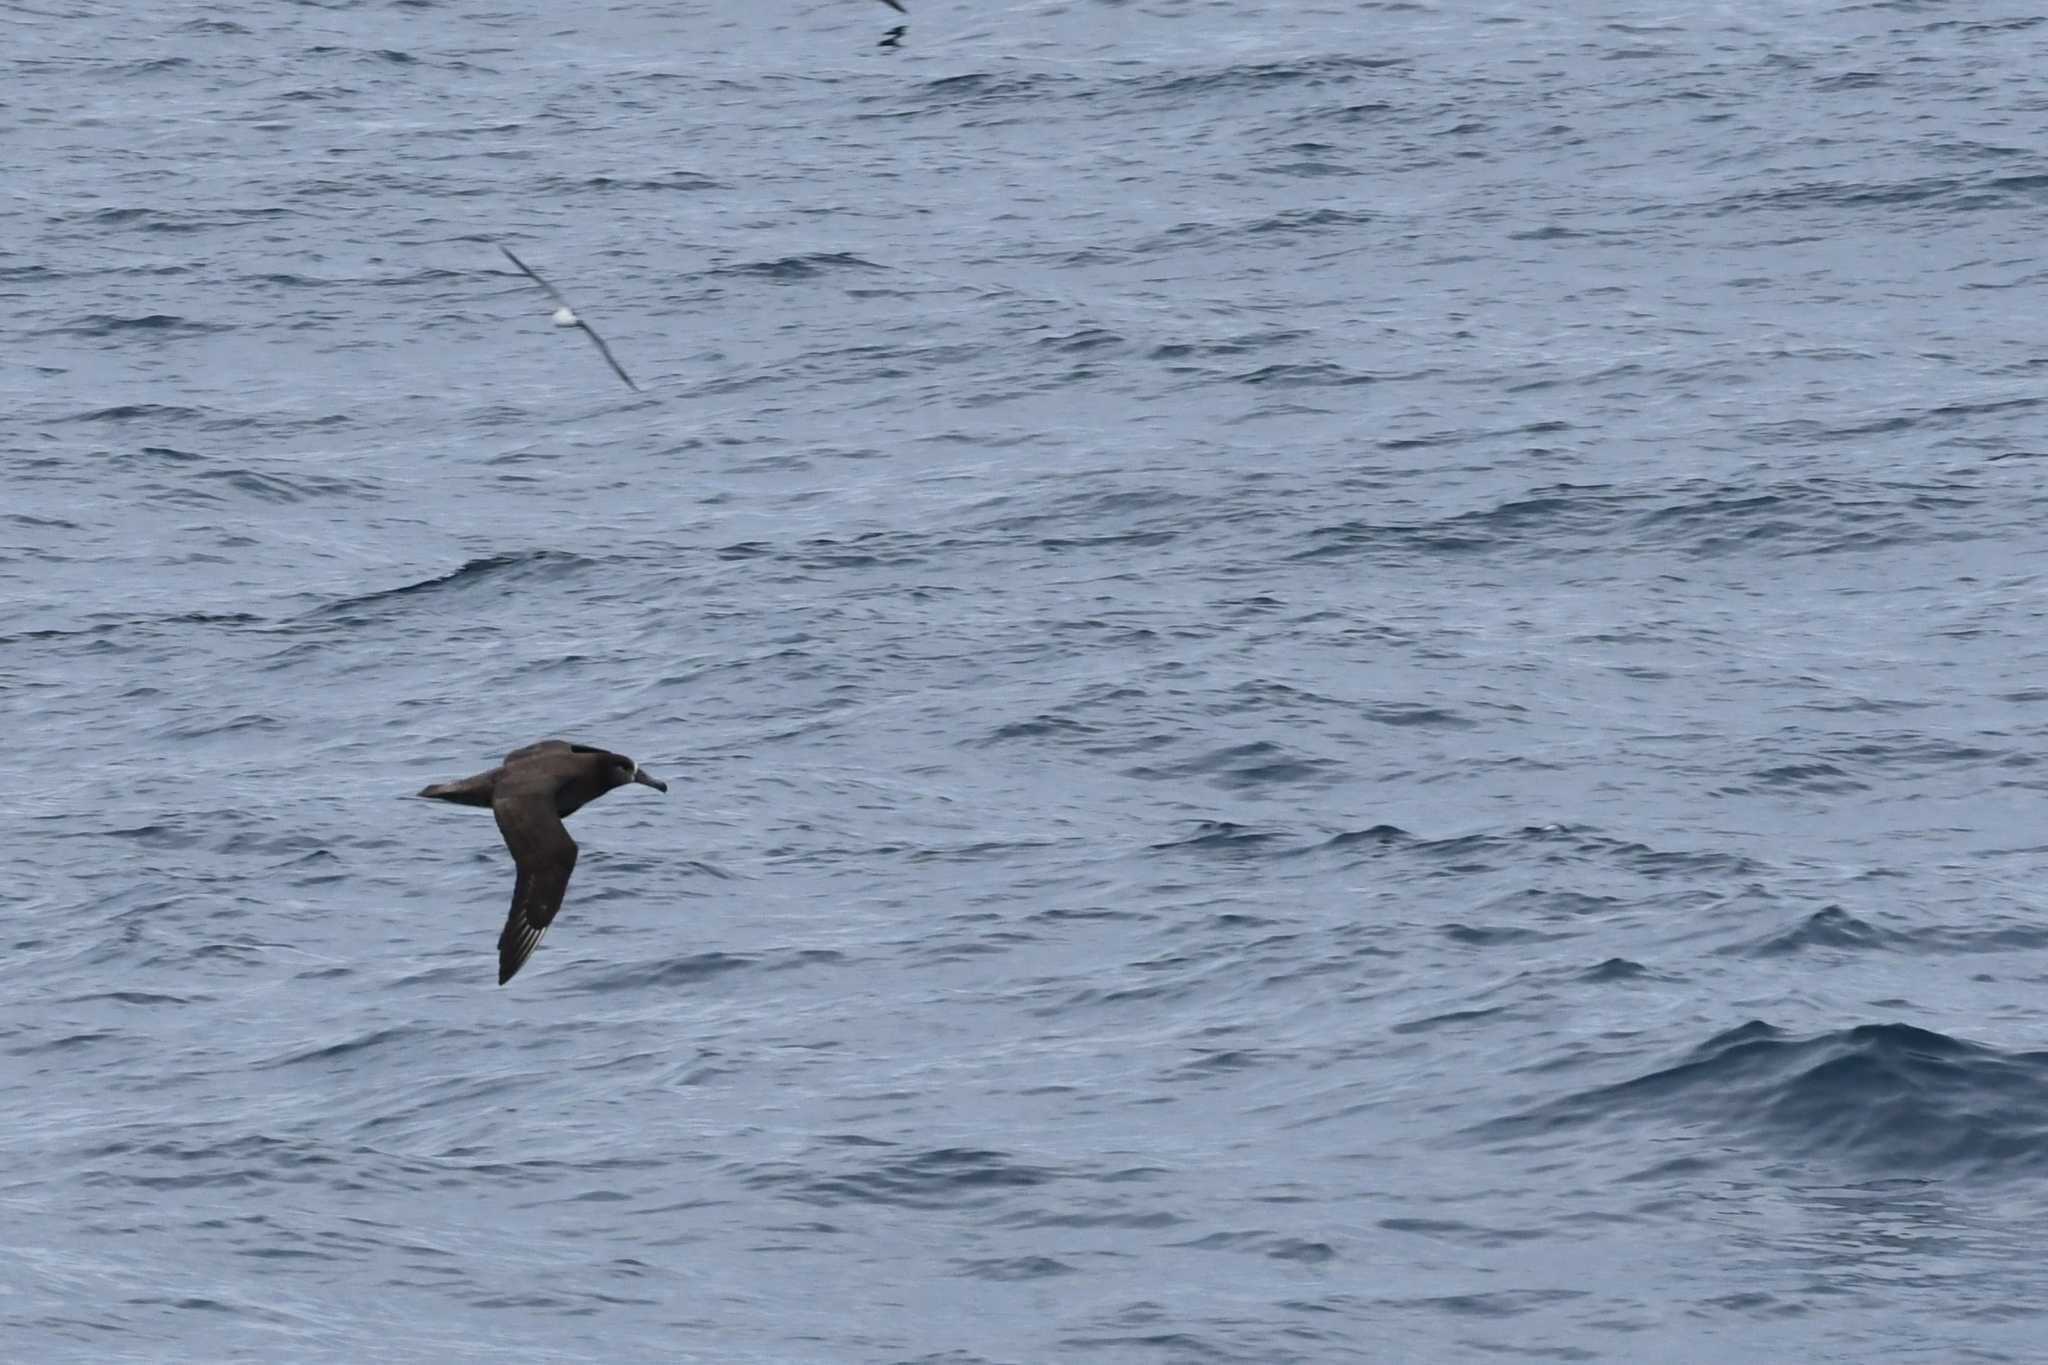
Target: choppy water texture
{"x": 1342, "y": 683}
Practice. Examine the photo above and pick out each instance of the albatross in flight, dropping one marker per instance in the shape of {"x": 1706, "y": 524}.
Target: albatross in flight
{"x": 530, "y": 792}
{"x": 565, "y": 316}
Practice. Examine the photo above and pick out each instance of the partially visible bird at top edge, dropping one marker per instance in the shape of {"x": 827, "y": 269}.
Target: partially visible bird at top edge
{"x": 894, "y": 37}
{"x": 565, "y": 316}
{"x": 896, "y": 5}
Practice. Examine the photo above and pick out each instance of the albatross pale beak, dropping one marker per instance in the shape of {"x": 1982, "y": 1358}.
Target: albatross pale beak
{"x": 647, "y": 779}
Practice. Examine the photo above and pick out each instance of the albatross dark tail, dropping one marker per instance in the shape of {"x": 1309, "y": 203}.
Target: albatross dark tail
{"x": 470, "y": 791}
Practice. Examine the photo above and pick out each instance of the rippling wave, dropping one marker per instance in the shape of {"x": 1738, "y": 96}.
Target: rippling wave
{"x": 1276, "y": 637}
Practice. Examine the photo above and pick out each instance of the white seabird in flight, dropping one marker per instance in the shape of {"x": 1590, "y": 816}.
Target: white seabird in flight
{"x": 565, "y": 316}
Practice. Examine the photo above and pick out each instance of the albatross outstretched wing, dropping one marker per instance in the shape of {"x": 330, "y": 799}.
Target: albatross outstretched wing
{"x": 545, "y": 856}
{"x": 610, "y": 359}
{"x": 535, "y": 276}
{"x": 546, "y": 746}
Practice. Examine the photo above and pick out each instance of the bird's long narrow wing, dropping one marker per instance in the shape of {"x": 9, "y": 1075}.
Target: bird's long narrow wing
{"x": 534, "y": 275}
{"x": 612, "y": 360}
{"x": 545, "y": 855}
{"x": 542, "y": 747}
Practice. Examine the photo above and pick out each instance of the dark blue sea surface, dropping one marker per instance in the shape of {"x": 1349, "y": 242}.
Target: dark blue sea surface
{"x": 1341, "y": 682}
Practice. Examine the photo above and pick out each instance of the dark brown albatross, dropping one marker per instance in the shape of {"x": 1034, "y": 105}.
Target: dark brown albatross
{"x": 530, "y": 792}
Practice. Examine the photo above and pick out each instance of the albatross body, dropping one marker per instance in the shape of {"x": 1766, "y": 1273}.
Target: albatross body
{"x": 530, "y": 793}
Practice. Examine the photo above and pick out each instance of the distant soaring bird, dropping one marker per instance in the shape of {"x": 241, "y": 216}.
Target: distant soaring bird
{"x": 530, "y": 793}
{"x": 565, "y": 316}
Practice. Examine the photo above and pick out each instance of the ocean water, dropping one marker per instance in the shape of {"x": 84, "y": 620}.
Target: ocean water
{"x": 1341, "y": 682}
